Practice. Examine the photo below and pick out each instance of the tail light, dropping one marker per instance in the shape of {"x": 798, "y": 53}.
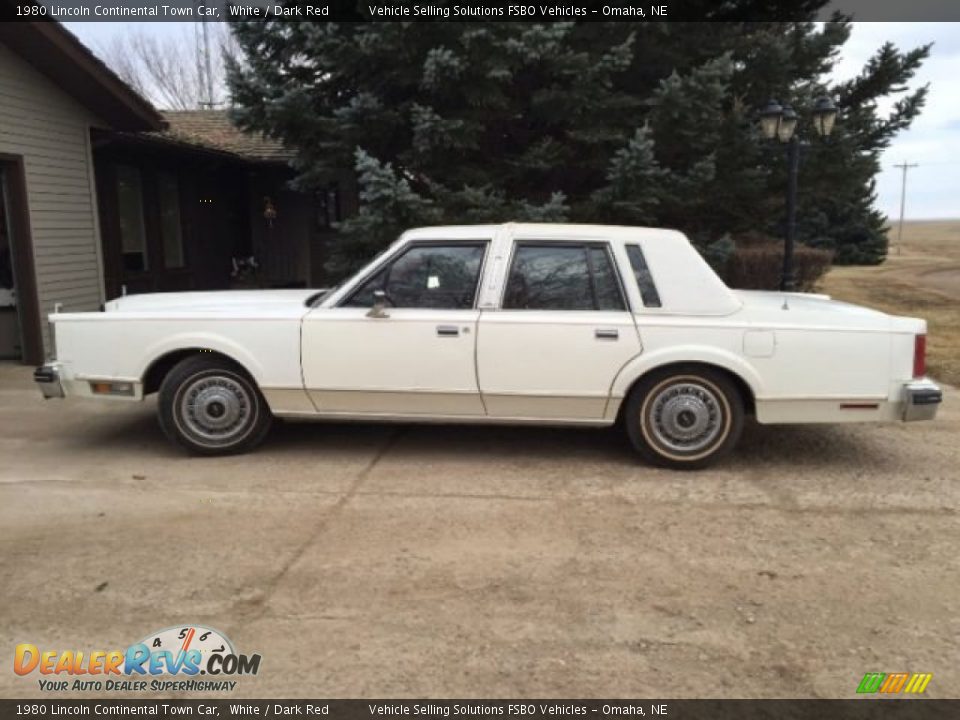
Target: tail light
{"x": 919, "y": 356}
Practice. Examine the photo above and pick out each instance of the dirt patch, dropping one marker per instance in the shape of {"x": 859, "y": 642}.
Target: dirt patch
{"x": 946, "y": 281}
{"x": 423, "y": 561}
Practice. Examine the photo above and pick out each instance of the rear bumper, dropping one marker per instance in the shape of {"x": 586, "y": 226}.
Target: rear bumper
{"x": 921, "y": 398}
{"x": 48, "y": 379}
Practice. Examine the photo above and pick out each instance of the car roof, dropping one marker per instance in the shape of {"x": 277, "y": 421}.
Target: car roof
{"x": 547, "y": 231}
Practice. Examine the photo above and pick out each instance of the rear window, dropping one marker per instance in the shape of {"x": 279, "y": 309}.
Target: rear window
{"x": 648, "y": 290}
{"x": 563, "y": 276}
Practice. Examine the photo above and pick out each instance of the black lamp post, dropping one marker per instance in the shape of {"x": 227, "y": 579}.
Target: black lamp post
{"x": 780, "y": 122}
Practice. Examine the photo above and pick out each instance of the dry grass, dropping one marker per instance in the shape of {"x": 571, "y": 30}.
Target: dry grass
{"x": 919, "y": 279}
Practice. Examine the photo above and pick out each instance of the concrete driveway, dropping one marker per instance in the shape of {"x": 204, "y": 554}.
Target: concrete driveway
{"x": 375, "y": 560}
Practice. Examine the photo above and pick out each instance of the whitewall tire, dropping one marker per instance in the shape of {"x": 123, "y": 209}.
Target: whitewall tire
{"x": 684, "y": 417}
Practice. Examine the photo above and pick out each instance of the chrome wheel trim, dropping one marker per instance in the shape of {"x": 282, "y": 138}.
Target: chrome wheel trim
{"x": 685, "y": 417}
{"x": 215, "y": 409}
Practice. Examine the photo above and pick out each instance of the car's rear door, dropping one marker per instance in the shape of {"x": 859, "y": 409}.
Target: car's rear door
{"x": 562, "y": 332}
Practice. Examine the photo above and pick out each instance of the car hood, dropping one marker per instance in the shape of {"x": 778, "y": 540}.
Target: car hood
{"x": 213, "y": 301}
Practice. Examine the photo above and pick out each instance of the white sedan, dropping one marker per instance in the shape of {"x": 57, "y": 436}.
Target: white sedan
{"x": 514, "y": 323}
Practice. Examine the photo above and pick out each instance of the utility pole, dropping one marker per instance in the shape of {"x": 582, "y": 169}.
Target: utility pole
{"x": 202, "y": 39}
{"x": 206, "y": 58}
{"x": 903, "y": 200}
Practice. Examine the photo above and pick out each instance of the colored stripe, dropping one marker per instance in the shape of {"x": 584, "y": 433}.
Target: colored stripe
{"x": 871, "y": 682}
{"x": 894, "y": 682}
{"x": 918, "y": 682}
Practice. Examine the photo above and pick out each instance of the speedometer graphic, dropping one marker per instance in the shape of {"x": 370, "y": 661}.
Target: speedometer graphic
{"x": 184, "y": 638}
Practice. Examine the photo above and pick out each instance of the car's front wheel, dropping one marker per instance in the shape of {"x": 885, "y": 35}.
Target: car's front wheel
{"x": 210, "y": 406}
{"x": 684, "y": 417}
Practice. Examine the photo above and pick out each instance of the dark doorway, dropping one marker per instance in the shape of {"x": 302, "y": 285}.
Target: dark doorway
{"x": 20, "y": 336}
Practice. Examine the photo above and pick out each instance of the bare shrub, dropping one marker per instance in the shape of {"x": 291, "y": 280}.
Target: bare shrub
{"x": 757, "y": 264}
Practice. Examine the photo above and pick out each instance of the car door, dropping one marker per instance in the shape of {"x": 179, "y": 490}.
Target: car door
{"x": 560, "y": 336}
{"x": 417, "y": 357}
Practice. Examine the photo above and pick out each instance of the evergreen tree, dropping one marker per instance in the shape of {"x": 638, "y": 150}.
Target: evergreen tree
{"x": 617, "y": 122}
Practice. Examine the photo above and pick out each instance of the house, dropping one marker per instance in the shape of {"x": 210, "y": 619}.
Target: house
{"x": 53, "y": 91}
{"x": 104, "y": 195}
{"x": 180, "y": 206}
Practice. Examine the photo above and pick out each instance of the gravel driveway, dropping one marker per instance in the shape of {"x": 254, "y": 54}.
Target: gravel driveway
{"x": 376, "y": 560}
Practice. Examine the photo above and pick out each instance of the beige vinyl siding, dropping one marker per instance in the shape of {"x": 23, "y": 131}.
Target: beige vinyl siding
{"x": 51, "y": 131}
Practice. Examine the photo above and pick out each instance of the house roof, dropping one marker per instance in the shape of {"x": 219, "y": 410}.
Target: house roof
{"x": 213, "y": 130}
{"x": 59, "y": 55}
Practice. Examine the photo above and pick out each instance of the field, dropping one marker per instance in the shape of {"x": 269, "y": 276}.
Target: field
{"x": 921, "y": 278}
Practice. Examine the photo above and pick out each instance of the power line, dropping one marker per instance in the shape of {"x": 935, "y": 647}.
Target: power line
{"x": 903, "y": 199}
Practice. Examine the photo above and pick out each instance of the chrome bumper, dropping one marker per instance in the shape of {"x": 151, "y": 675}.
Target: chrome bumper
{"x": 48, "y": 378}
{"x": 921, "y": 399}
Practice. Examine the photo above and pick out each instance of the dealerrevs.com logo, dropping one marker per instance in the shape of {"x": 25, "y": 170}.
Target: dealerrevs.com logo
{"x": 169, "y": 659}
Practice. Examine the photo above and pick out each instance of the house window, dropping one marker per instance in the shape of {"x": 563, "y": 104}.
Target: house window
{"x": 328, "y": 207}
{"x": 171, "y": 229}
{"x": 133, "y": 234}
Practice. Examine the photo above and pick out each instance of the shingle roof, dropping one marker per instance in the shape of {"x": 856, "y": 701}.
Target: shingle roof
{"x": 213, "y": 130}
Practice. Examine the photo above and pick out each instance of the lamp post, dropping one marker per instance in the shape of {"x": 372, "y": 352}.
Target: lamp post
{"x": 780, "y": 121}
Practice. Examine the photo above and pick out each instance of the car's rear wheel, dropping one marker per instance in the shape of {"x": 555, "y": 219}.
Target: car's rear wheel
{"x": 210, "y": 406}
{"x": 685, "y": 417}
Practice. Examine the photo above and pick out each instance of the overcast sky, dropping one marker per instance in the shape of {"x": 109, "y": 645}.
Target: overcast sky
{"x": 933, "y": 189}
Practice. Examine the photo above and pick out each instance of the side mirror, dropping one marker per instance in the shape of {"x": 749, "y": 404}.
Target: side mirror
{"x": 379, "y": 309}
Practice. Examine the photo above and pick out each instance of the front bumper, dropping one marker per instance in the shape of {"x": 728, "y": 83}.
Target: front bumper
{"x": 47, "y": 377}
{"x": 921, "y": 398}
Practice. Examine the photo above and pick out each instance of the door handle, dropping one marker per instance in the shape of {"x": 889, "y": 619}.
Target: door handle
{"x": 448, "y": 330}
{"x": 606, "y": 333}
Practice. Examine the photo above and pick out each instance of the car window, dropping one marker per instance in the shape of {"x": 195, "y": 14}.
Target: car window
{"x": 562, "y": 277}
{"x": 363, "y": 297}
{"x": 427, "y": 276}
{"x": 606, "y": 284}
{"x": 648, "y": 291}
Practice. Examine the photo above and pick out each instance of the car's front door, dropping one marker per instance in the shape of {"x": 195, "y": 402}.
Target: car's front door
{"x": 417, "y": 356}
{"x": 561, "y": 335}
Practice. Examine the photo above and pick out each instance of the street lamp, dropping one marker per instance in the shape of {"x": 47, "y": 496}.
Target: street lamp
{"x": 780, "y": 121}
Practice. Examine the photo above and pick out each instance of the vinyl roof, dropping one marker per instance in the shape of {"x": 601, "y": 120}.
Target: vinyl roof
{"x": 552, "y": 231}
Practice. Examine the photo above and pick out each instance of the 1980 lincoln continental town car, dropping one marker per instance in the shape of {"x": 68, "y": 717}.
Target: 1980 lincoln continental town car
{"x": 515, "y": 323}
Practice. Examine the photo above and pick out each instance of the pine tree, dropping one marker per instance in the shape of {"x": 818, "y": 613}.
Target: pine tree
{"x": 637, "y": 123}
{"x": 387, "y": 202}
